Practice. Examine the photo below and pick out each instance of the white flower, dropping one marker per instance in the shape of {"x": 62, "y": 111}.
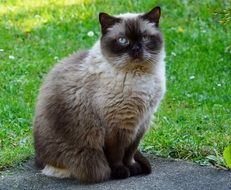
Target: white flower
{"x": 37, "y": 16}
{"x": 188, "y": 95}
{"x": 206, "y": 117}
{"x": 1, "y": 50}
{"x": 90, "y": 33}
{"x": 192, "y": 77}
{"x": 173, "y": 53}
{"x": 219, "y": 84}
{"x": 11, "y": 57}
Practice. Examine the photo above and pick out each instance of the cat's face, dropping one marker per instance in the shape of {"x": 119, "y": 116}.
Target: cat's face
{"x": 131, "y": 38}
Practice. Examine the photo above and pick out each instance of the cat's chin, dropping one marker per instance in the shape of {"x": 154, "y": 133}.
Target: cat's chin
{"x": 139, "y": 61}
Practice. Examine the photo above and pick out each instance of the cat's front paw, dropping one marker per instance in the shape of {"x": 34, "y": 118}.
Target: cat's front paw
{"x": 143, "y": 162}
{"x": 135, "y": 169}
{"x": 120, "y": 172}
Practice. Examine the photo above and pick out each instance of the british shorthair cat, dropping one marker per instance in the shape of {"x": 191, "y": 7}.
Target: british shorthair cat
{"x": 95, "y": 106}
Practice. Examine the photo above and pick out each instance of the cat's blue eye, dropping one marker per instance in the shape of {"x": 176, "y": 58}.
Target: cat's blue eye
{"x": 123, "y": 41}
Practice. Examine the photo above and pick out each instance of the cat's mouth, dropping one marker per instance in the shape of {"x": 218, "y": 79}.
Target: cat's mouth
{"x": 140, "y": 61}
{"x": 136, "y": 55}
{"x": 137, "y": 60}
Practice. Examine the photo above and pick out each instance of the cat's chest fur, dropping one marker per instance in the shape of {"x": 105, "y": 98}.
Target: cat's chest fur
{"x": 127, "y": 85}
{"x": 126, "y": 99}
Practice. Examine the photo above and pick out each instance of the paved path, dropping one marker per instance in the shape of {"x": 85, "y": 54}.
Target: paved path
{"x": 167, "y": 175}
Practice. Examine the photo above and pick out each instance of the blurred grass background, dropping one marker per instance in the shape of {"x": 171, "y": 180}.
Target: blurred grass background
{"x": 194, "y": 120}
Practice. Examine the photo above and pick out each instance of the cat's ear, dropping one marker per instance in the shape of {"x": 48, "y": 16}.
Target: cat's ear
{"x": 153, "y": 16}
{"x": 107, "y": 21}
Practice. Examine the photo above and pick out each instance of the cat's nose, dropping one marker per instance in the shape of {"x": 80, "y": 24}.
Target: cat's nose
{"x": 135, "y": 48}
{"x": 136, "y": 51}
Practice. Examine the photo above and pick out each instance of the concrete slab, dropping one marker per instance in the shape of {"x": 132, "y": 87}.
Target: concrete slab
{"x": 167, "y": 175}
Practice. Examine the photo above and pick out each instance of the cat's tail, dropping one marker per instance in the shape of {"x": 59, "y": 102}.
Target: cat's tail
{"x": 143, "y": 161}
{"x": 91, "y": 166}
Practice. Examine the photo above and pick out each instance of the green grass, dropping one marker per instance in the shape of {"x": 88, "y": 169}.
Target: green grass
{"x": 194, "y": 120}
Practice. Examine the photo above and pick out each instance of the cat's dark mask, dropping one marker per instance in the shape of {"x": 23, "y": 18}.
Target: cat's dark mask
{"x": 131, "y": 36}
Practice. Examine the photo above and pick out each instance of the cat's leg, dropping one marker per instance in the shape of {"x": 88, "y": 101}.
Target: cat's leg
{"x": 134, "y": 159}
{"x": 89, "y": 165}
{"x": 115, "y": 145}
{"x": 144, "y": 162}
{"x": 136, "y": 162}
{"x": 81, "y": 154}
{"x": 85, "y": 158}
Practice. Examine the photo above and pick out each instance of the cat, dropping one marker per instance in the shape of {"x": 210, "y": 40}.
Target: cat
{"x": 95, "y": 106}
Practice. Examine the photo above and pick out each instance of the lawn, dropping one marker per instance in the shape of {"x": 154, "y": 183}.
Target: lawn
{"x": 194, "y": 120}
